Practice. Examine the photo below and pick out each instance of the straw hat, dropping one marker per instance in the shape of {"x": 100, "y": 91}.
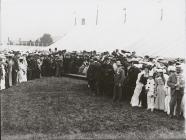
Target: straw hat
{"x": 172, "y": 68}
{"x": 2, "y": 56}
{"x": 178, "y": 67}
{"x": 138, "y": 65}
{"x": 151, "y": 73}
{"x": 133, "y": 60}
{"x": 21, "y": 58}
{"x": 164, "y": 71}
{"x": 10, "y": 55}
{"x": 118, "y": 63}
{"x": 159, "y": 70}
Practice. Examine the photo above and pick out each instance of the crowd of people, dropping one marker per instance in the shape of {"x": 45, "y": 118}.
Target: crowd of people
{"x": 153, "y": 83}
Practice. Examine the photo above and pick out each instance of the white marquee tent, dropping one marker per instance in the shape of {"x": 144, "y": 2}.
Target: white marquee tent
{"x": 146, "y": 31}
{"x": 162, "y": 41}
{"x": 152, "y": 27}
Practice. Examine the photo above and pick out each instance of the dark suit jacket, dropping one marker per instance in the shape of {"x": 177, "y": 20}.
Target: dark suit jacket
{"x": 171, "y": 83}
{"x": 119, "y": 77}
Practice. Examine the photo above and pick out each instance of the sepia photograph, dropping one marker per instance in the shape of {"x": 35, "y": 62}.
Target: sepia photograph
{"x": 92, "y": 69}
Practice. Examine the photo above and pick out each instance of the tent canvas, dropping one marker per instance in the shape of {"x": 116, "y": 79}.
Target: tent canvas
{"x": 160, "y": 41}
{"x": 151, "y": 27}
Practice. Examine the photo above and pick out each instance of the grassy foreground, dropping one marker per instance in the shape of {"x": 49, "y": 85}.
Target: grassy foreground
{"x": 64, "y": 108}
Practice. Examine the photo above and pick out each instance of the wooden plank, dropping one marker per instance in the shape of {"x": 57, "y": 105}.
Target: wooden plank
{"x": 76, "y": 76}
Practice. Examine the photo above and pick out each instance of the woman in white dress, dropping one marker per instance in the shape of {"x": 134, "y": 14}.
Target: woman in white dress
{"x": 2, "y": 76}
{"x": 25, "y": 67}
{"x": 160, "y": 90}
{"x": 139, "y": 85}
{"x": 150, "y": 92}
{"x": 2, "y": 72}
{"x": 10, "y": 63}
{"x": 167, "y": 93}
{"x": 22, "y": 73}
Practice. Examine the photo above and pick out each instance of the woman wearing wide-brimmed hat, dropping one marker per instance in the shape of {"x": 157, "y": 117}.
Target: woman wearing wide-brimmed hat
{"x": 160, "y": 90}
{"x": 140, "y": 83}
{"x": 22, "y": 73}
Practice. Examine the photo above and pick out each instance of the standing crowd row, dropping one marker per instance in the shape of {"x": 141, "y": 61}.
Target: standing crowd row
{"x": 149, "y": 82}
{"x": 17, "y": 67}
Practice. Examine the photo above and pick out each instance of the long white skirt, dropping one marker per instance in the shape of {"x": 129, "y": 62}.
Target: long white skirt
{"x": 167, "y": 100}
{"x": 22, "y": 77}
{"x": 2, "y": 83}
{"x": 150, "y": 100}
{"x": 2, "y": 78}
{"x": 135, "y": 97}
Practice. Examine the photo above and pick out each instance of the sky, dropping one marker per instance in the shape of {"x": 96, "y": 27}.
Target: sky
{"x": 30, "y": 19}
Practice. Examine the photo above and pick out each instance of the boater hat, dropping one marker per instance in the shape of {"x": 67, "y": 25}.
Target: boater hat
{"x": 2, "y": 57}
{"x": 118, "y": 63}
{"x": 133, "y": 60}
{"x": 151, "y": 73}
{"x": 21, "y": 58}
{"x": 159, "y": 70}
{"x": 178, "y": 67}
{"x": 172, "y": 68}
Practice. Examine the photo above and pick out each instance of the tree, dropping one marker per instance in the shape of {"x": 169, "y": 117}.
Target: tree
{"x": 46, "y": 39}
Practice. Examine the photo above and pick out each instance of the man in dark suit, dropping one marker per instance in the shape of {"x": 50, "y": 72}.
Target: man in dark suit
{"x": 131, "y": 78}
{"x": 176, "y": 83}
{"x": 93, "y": 76}
{"x": 119, "y": 77}
{"x": 107, "y": 77}
{"x": 15, "y": 69}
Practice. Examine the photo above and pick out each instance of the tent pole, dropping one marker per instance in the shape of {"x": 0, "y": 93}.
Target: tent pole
{"x": 125, "y": 15}
{"x": 97, "y": 16}
{"x": 75, "y": 20}
{"x": 161, "y": 18}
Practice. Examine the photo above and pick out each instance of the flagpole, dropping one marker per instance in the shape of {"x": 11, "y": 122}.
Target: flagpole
{"x": 161, "y": 18}
{"x": 97, "y": 16}
{"x": 125, "y": 15}
{"x": 75, "y": 20}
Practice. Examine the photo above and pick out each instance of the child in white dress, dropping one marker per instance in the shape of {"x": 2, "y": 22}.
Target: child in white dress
{"x": 167, "y": 95}
{"x": 150, "y": 86}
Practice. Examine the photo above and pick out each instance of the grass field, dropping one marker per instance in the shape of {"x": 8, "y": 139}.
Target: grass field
{"x": 64, "y": 108}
